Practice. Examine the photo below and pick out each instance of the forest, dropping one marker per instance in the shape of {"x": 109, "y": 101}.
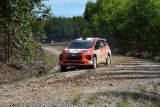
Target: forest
{"x": 131, "y": 25}
{"x": 21, "y": 28}
{"x": 65, "y": 29}
{"x": 127, "y": 24}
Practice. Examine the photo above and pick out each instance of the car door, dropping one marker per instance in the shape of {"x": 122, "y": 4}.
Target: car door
{"x": 97, "y": 51}
{"x": 103, "y": 51}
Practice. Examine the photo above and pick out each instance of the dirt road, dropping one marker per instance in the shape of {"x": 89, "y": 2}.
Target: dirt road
{"x": 128, "y": 80}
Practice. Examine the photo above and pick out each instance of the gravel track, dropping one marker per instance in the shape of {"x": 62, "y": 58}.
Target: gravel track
{"x": 56, "y": 89}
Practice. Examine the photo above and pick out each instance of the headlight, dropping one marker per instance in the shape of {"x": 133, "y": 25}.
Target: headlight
{"x": 60, "y": 57}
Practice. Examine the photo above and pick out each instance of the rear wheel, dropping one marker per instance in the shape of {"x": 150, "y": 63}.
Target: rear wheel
{"x": 63, "y": 68}
{"x": 94, "y": 66}
{"x": 108, "y": 60}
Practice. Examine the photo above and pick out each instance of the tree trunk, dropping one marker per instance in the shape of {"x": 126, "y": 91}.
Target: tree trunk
{"x": 7, "y": 45}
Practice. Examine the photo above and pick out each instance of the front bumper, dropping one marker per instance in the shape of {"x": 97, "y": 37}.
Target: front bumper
{"x": 76, "y": 62}
{"x": 76, "y": 59}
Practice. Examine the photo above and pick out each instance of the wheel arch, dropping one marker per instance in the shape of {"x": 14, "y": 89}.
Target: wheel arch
{"x": 95, "y": 56}
{"x": 109, "y": 52}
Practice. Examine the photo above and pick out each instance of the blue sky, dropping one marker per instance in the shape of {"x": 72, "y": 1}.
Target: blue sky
{"x": 67, "y": 8}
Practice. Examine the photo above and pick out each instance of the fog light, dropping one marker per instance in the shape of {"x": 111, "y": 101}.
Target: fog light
{"x": 88, "y": 57}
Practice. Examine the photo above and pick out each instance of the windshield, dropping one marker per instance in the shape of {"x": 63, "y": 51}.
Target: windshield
{"x": 85, "y": 44}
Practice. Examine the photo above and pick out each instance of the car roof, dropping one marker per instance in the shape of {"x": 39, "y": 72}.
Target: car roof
{"x": 89, "y": 39}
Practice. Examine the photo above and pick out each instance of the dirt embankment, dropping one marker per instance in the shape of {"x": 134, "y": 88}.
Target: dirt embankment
{"x": 16, "y": 71}
{"x": 127, "y": 82}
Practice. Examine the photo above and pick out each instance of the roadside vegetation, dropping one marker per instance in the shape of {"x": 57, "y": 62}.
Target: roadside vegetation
{"x": 138, "y": 97}
{"x": 141, "y": 96}
{"x": 50, "y": 60}
{"x": 141, "y": 89}
{"x": 157, "y": 86}
{"x": 92, "y": 99}
{"x": 122, "y": 104}
{"x": 76, "y": 98}
{"x": 21, "y": 32}
{"x": 131, "y": 25}
{"x": 21, "y": 28}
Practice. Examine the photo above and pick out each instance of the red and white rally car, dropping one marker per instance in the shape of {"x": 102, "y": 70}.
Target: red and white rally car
{"x": 85, "y": 52}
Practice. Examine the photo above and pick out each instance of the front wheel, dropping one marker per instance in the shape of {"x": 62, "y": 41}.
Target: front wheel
{"x": 63, "y": 68}
{"x": 94, "y": 66}
{"x": 108, "y": 60}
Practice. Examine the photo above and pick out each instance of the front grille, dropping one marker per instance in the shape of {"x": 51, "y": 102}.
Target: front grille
{"x": 74, "y": 56}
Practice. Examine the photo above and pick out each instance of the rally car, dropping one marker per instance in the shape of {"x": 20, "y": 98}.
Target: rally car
{"x": 85, "y": 52}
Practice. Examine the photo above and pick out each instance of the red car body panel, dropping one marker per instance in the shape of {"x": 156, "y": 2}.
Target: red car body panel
{"x": 83, "y": 57}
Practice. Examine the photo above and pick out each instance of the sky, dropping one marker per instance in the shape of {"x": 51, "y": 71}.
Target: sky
{"x": 67, "y": 8}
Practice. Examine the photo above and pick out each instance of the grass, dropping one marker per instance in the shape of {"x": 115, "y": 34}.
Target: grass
{"x": 157, "y": 86}
{"x": 92, "y": 99}
{"x": 76, "y": 98}
{"x": 141, "y": 89}
{"x": 149, "y": 104}
{"x": 125, "y": 99}
{"x": 50, "y": 58}
{"x": 56, "y": 106}
{"x": 122, "y": 104}
{"x": 41, "y": 72}
{"x": 107, "y": 93}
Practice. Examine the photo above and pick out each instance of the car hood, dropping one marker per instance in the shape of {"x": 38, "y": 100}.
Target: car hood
{"x": 76, "y": 50}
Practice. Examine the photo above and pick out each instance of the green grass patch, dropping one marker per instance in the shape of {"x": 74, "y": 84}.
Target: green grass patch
{"x": 75, "y": 99}
{"x": 50, "y": 59}
{"x": 92, "y": 99}
{"x": 148, "y": 104}
{"x": 141, "y": 89}
{"x": 122, "y": 104}
{"x": 157, "y": 86}
{"x": 107, "y": 93}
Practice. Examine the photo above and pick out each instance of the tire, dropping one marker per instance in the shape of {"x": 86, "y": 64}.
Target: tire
{"x": 94, "y": 66}
{"x": 63, "y": 68}
{"x": 108, "y": 60}
{"x": 80, "y": 67}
